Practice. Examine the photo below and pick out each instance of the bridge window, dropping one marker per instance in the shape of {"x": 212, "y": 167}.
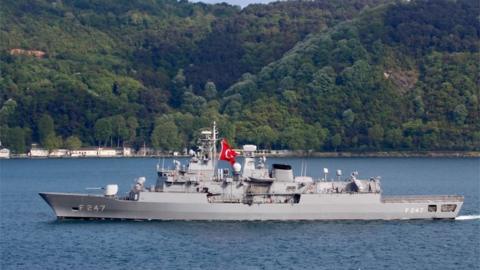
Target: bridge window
{"x": 449, "y": 207}
{"x": 432, "y": 208}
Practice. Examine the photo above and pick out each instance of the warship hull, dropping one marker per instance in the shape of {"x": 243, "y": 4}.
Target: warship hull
{"x": 197, "y": 206}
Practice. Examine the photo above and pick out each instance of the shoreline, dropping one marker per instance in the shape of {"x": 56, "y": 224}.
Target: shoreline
{"x": 290, "y": 154}
{"x": 401, "y": 154}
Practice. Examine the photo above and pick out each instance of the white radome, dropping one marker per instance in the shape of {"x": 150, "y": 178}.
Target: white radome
{"x": 111, "y": 190}
{"x": 249, "y": 148}
{"x": 141, "y": 180}
{"x": 237, "y": 167}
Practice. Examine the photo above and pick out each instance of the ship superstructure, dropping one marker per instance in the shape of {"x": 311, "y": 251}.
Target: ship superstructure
{"x": 200, "y": 190}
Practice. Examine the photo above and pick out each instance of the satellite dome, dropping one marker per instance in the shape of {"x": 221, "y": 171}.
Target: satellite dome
{"x": 237, "y": 167}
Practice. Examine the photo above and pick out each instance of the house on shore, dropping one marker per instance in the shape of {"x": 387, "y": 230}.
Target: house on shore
{"x": 107, "y": 152}
{"x": 4, "y": 152}
{"x": 146, "y": 151}
{"x": 85, "y": 152}
{"x": 36, "y": 152}
{"x": 59, "y": 153}
{"x": 102, "y": 152}
{"x": 126, "y": 152}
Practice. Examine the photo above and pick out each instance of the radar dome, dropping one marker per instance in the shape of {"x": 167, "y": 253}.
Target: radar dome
{"x": 249, "y": 148}
{"x": 141, "y": 180}
{"x": 111, "y": 190}
{"x": 237, "y": 167}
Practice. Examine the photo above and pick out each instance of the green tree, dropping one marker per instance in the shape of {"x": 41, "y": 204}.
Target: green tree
{"x": 315, "y": 136}
{"x": 348, "y": 117}
{"x": 192, "y": 103}
{"x": 375, "y": 135}
{"x": 7, "y": 109}
{"x": 165, "y": 135}
{"x": 460, "y": 114}
{"x": 419, "y": 105}
{"x": 103, "y": 130}
{"x": 290, "y": 97}
{"x": 336, "y": 141}
{"x": 293, "y": 138}
{"x": 52, "y": 142}
{"x": 210, "y": 90}
{"x": 179, "y": 88}
{"x": 45, "y": 128}
{"x": 476, "y": 140}
{"x": 430, "y": 141}
{"x": 73, "y": 143}
{"x": 413, "y": 130}
{"x": 264, "y": 136}
{"x": 14, "y": 139}
{"x": 232, "y": 105}
{"x": 119, "y": 128}
{"x": 132, "y": 126}
{"x": 394, "y": 137}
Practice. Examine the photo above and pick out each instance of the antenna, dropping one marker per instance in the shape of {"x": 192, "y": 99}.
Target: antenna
{"x": 94, "y": 188}
{"x": 305, "y": 168}
{"x": 301, "y": 169}
{"x": 214, "y": 140}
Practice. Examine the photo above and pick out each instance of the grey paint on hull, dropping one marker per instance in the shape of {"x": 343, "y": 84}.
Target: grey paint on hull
{"x": 188, "y": 206}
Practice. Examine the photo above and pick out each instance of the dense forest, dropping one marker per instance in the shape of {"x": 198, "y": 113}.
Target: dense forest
{"x": 350, "y": 75}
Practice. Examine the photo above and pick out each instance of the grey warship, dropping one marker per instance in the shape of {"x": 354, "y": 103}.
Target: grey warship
{"x": 201, "y": 191}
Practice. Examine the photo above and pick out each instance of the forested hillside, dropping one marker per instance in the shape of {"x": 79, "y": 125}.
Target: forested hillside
{"x": 322, "y": 75}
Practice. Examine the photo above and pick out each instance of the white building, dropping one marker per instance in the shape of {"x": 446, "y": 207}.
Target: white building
{"x": 145, "y": 151}
{"x": 59, "y": 153}
{"x": 107, "y": 152}
{"x": 4, "y": 153}
{"x": 85, "y": 152}
{"x": 127, "y": 152}
{"x": 38, "y": 152}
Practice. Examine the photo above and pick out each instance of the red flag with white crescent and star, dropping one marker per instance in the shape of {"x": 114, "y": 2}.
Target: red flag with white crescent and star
{"x": 227, "y": 153}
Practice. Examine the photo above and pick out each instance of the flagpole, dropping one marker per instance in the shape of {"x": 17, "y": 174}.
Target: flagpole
{"x": 214, "y": 147}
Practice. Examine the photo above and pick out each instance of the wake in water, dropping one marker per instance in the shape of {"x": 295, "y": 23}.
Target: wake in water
{"x": 469, "y": 217}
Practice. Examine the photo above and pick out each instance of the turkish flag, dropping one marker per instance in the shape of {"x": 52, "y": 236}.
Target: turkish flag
{"x": 227, "y": 153}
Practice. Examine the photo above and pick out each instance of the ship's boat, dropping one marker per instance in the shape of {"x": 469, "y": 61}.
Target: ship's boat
{"x": 200, "y": 190}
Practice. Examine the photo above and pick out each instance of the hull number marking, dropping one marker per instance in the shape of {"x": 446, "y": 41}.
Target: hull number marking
{"x": 91, "y": 207}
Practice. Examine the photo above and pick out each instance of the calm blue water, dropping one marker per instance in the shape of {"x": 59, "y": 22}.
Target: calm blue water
{"x": 31, "y": 238}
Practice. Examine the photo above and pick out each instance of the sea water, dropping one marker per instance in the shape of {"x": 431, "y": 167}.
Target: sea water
{"x": 31, "y": 237}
